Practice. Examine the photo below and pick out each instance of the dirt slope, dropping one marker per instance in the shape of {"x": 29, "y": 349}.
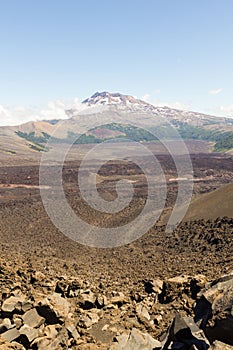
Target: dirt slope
{"x": 209, "y": 206}
{"x": 218, "y": 203}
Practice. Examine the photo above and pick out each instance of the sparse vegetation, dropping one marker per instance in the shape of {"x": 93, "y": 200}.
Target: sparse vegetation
{"x": 33, "y": 138}
{"x": 8, "y": 151}
{"x": 223, "y": 140}
{"x": 37, "y": 147}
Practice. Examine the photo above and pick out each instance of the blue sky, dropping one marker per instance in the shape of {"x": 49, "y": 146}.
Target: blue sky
{"x": 173, "y": 52}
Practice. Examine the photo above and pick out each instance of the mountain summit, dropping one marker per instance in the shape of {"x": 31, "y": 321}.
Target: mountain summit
{"x": 112, "y": 101}
{"x": 107, "y": 98}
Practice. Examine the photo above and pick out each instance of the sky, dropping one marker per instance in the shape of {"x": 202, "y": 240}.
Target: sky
{"x": 55, "y": 53}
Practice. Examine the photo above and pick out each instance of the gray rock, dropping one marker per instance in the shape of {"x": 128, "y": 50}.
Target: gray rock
{"x": 54, "y": 308}
{"x": 26, "y": 305}
{"x": 118, "y": 299}
{"x": 5, "y": 345}
{"x": 142, "y": 311}
{"x": 101, "y": 301}
{"x": 87, "y": 300}
{"x": 18, "y": 322}
{"x": 11, "y": 334}
{"x": 51, "y": 331}
{"x": 72, "y": 330}
{"x": 135, "y": 340}
{"x": 219, "y": 295}
{"x": 32, "y": 319}
{"x": 184, "y": 334}
{"x": 30, "y": 333}
{"x": 43, "y": 343}
{"x": 87, "y": 320}
{"x": 69, "y": 288}
{"x": 216, "y": 303}
{"x": 12, "y": 303}
{"x": 154, "y": 286}
{"x": 5, "y": 325}
{"x": 217, "y": 345}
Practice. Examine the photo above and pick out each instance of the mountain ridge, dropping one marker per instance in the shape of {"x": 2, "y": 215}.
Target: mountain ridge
{"x": 106, "y": 98}
{"x": 190, "y": 125}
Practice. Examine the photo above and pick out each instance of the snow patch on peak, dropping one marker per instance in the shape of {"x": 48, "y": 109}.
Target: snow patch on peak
{"x": 101, "y": 101}
{"x": 107, "y": 98}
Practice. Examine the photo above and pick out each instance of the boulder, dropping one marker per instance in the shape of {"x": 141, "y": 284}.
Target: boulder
{"x": 54, "y": 308}
{"x": 11, "y": 334}
{"x": 54, "y": 337}
{"x": 215, "y": 303}
{"x": 51, "y": 331}
{"x": 217, "y": 345}
{"x": 32, "y": 319}
{"x": 29, "y": 332}
{"x": 72, "y": 330}
{"x": 13, "y": 303}
{"x": 118, "y": 299}
{"x": 142, "y": 311}
{"x": 184, "y": 334}
{"x": 87, "y": 300}
{"x": 154, "y": 286}
{"x": 17, "y": 321}
{"x": 43, "y": 343}
{"x": 88, "y": 319}
{"x": 5, "y": 324}
{"x": 101, "y": 301}
{"x": 175, "y": 287}
{"x": 5, "y": 345}
{"x": 69, "y": 288}
{"x": 135, "y": 340}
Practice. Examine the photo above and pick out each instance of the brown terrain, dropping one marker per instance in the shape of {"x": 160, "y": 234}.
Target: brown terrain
{"x": 58, "y": 294}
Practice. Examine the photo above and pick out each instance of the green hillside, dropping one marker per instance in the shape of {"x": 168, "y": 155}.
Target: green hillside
{"x": 223, "y": 140}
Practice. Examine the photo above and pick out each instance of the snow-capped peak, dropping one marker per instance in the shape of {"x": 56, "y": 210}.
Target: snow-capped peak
{"x": 107, "y": 98}
{"x": 102, "y": 101}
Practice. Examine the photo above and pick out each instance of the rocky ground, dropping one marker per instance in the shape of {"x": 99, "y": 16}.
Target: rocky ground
{"x": 163, "y": 291}
{"x": 56, "y": 294}
{"x": 40, "y": 311}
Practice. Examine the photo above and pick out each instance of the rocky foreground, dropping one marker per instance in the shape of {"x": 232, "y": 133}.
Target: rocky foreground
{"x": 66, "y": 312}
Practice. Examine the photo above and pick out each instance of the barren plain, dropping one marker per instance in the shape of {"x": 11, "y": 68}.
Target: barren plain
{"x": 31, "y": 244}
